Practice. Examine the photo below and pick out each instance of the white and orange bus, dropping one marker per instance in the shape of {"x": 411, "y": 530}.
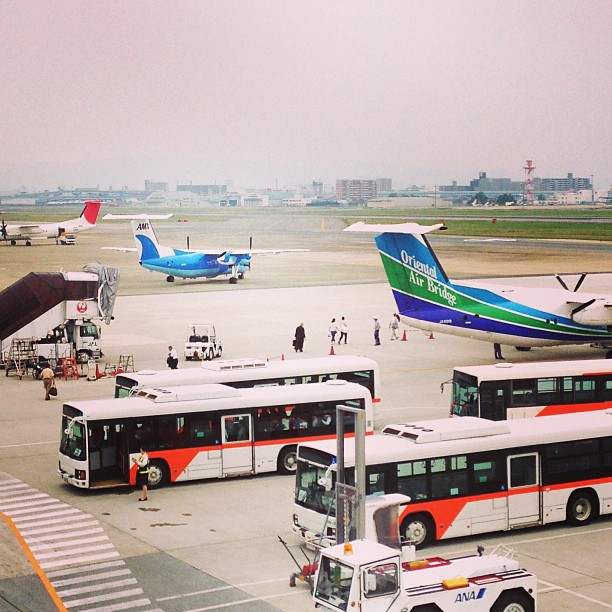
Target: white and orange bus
{"x": 469, "y": 476}
{"x": 201, "y": 431}
{"x": 243, "y": 373}
{"x": 517, "y": 390}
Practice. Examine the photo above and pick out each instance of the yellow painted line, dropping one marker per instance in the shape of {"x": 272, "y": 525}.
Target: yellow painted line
{"x": 41, "y": 574}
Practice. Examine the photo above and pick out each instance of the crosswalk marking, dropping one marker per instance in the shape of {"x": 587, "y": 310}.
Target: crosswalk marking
{"x": 70, "y": 551}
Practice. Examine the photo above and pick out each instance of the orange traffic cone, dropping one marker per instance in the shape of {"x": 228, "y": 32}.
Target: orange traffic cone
{"x": 283, "y": 357}
{"x": 431, "y": 336}
{"x": 331, "y": 350}
{"x": 404, "y": 339}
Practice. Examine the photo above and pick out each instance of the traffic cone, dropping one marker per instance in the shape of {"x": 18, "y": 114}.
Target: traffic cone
{"x": 98, "y": 375}
{"x": 331, "y": 350}
{"x": 119, "y": 367}
{"x": 431, "y": 336}
{"x": 282, "y": 356}
{"x": 404, "y": 339}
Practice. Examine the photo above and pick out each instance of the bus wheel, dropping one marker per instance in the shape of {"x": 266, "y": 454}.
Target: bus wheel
{"x": 158, "y": 473}
{"x": 418, "y": 529}
{"x": 581, "y": 508}
{"x": 287, "y": 460}
{"x": 515, "y": 600}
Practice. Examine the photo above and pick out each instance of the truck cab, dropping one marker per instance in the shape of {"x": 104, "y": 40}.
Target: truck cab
{"x": 202, "y": 342}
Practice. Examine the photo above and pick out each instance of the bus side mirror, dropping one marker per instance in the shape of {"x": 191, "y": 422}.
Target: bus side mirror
{"x": 325, "y": 482}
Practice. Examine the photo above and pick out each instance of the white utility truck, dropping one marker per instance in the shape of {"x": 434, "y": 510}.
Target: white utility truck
{"x": 202, "y": 342}
{"x": 371, "y": 577}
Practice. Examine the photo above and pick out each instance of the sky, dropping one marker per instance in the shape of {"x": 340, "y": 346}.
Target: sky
{"x": 268, "y": 93}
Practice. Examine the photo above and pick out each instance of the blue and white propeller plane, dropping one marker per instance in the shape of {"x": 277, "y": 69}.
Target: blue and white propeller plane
{"x": 518, "y": 316}
{"x": 192, "y": 263}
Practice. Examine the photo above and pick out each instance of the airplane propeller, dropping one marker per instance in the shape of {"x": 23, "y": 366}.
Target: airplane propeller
{"x": 3, "y": 230}
{"x": 576, "y": 287}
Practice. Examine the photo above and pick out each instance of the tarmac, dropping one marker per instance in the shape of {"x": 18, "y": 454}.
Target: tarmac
{"x": 214, "y": 545}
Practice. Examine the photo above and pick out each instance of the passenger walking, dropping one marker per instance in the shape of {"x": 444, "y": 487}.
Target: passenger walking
{"x": 376, "y": 332}
{"x": 394, "y": 326}
{"x": 497, "y": 350}
{"x": 343, "y": 331}
{"x": 172, "y": 359}
{"x": 333, "y": 330}
{"x": 48, "y": 378}
{"x": 300, "y": 335}
{"x": 142, "y": 472}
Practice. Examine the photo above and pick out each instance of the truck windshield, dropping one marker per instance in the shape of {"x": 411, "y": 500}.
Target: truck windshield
{"x": 334, "y": 583}
{"x": 73, "y": 439}
{"x": 309, "y": 493}
{"x": 90, "y": 331}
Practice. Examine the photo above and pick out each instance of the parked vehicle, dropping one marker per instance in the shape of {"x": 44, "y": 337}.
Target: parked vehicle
{"x": 202, "y": 342}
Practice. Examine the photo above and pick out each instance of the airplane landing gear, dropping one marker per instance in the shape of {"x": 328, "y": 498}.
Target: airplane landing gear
{"x": 170, "y": 279}
{"x": 233, "y": 280}
{"x": 28, "y": 243}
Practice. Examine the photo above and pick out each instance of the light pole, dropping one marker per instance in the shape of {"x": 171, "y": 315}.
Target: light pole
{"x": 592, "y": 191}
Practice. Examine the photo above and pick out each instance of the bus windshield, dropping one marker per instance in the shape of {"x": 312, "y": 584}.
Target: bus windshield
{"x": 464, "y": 401}
{"x": 73, "y": 439}
{"x": 309, "y": 493}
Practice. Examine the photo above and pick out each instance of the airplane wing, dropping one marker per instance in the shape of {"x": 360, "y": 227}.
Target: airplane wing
{"x": 111, "y": 217}
{"x": 393, "y": 228}
{"x": 26, "y": 229}
{"x": 219, "y": 252}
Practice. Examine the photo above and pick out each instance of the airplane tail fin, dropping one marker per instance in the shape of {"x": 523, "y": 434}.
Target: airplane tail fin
{"x": 146, "y": 240}
{"x": 413, "y": 270}
{"x": 91, "y": 210}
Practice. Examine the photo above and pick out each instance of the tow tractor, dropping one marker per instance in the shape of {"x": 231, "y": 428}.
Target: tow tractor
{"x": 202, "y": 342}
{"x": 381, "y": 573}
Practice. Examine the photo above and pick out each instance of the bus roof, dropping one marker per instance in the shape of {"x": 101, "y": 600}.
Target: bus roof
{"x": 242, "y": 369}
{"x": 200, "y": 398}
{"x": 442, "y": 437}
{"x": 537, "y": 369}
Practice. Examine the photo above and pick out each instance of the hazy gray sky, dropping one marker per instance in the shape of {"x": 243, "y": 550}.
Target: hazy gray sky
{"x": 256, "y": 91}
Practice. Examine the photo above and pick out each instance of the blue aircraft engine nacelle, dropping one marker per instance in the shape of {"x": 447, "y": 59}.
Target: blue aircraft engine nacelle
{"x": 226, "y": 259}
{"x": 243, "y": 263}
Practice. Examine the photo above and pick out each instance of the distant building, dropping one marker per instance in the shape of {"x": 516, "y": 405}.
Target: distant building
{"x": 409, "y": 202}
{"x": 355, "y": 191}
{"x": 255, "y": 200}
{"x": 384, "y": 185}
{"x": 151, "y": 186}
{"x": 204, "y": 190}
{"x": 570, "y": 183}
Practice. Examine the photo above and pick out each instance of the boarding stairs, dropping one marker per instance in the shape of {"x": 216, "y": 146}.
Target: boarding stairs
{"x": 21, "y": 356}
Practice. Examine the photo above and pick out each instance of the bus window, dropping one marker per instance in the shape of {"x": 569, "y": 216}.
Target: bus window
{"x": 493, "y": 400}
{"x": 584, "y": 390}
{"x": 523, "y": 471}
{"x": 449, "y": 477}
{"x": 464, "y": 388}
{"x": 376, "y": 483}
{"x": 546, "y": 389}
{"x": 203, "y": 430}
{"x": 567, "y": 390}
{"x": 412, "y": 479}
{"x": 607, "y": 390}
{"x": 523, "y": 392}
{"x": 487, "y": 475}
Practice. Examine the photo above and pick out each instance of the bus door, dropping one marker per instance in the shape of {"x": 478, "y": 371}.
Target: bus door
{"x": 107, "y": 451}
{"x": 237, "y": 436}
{"x": 523, "y": 489}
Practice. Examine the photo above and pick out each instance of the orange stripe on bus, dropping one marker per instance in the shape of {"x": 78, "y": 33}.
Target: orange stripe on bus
{"x": 570, "y": 408}
{"x": 39, "y": 571}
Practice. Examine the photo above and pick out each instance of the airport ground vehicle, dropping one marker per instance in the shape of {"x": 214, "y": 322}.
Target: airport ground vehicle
{"x": 202, "y": 431}
{"x": 468, "y": 476}
{"x": 372, "y": 577}
{"x": 55, "y": 315}
{"x": 516, "y": 390}
{"x": 67, "y": 238}
{"x": 242, "y": 373}
{"x": 202, "y": 342}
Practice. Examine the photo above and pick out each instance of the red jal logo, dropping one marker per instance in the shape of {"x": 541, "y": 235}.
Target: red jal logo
{"x": 81, "y": 307}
